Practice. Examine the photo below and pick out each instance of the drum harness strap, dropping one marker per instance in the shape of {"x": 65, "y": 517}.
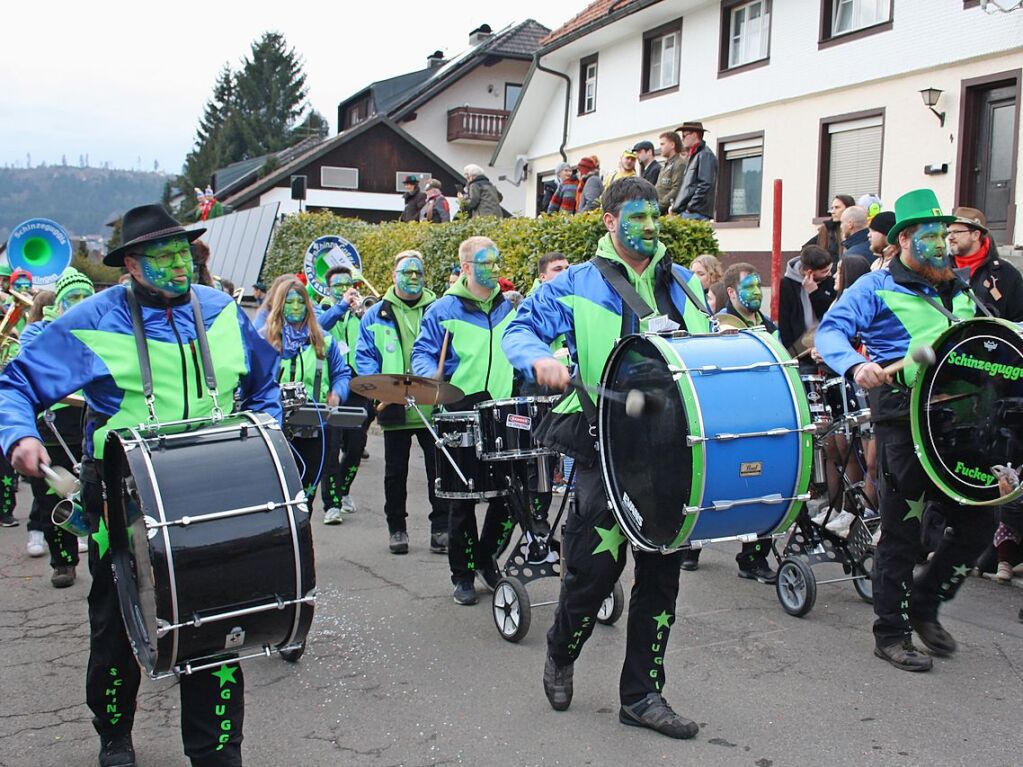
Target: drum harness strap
{"x": 145, "y": 367}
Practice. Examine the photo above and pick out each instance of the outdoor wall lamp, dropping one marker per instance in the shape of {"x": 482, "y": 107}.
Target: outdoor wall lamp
{"x": 930, "y": 97}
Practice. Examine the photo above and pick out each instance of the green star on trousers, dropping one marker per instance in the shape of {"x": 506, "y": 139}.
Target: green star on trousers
{"x": 226, "y": 675}
{"x": 507, "y": 525}
{"x": 8, "y": 481}
{"x": 611, "y": 540}
{"x": 663, "y": 620}
{"x": 916, "y": 509}
{"x": 960, "y": 571}
{"x": 102, "y": 538}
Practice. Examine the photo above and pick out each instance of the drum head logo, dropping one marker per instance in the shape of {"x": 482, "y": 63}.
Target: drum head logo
{"x": 751, "y": 468}
{"x": 323, "y": 254}
{"x": 515, "y": 421}
{"x": 990, "y": 345}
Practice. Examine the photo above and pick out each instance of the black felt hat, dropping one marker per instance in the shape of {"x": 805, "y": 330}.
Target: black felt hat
{"x": 147, "y": 223}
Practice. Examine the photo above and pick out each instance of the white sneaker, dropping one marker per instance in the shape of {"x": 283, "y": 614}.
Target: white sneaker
{"x": 333, "y": 516}
{"x": 821, "y": 516}
{"x": 1004, "y": 573}
{"x": 36, "y": 543}
{"x": 840, "y": 525}
{"x": 83, "y": 545}
{"x": 875, "y": 538}
{"x": 348, "y": 505}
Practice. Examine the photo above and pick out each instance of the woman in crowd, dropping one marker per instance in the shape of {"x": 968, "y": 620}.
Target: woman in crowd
{"x": 828, "y": 235}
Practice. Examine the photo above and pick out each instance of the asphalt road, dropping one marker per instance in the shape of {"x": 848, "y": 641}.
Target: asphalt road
{"x": 397, "y": 674}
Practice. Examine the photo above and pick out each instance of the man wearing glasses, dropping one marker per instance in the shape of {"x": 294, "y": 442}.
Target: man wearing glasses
{"x": 699, "y": 184}
{"x": 996, "y": 283}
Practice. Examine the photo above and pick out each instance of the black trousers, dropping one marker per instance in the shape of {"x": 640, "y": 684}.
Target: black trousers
{"x": 397, "y": 446}
{"x": 468, "y": 551}
{"x": 350, "y": 443}
{"x": 62, "y": 544}
{"x": 8, "y": 487}
{"x": 212, "y": 702}
{"x": 594, "y": 551}
{"x": 904, "y": 491}
{"x": 313, "y": 463}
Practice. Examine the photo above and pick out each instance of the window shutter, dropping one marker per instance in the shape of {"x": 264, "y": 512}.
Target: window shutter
{"x": 339, "y": 178}
{"x": 855, "y": 157}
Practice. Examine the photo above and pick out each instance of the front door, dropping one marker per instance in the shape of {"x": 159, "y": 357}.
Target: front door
{"x": 990, "y": 177}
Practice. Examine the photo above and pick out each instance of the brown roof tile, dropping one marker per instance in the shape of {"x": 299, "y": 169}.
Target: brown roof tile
{"x": 587, "y": 15}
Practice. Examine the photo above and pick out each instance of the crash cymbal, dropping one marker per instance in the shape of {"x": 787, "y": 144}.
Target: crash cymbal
{"x": 394, "y": 389}
{"x": 75, "y": 400}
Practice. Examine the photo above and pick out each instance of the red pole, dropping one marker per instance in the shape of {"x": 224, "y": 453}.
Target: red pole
{"x": 776, "y": 251}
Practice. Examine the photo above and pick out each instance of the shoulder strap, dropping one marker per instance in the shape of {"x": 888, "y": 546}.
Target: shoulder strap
{"x": 204, "y": 346}
{"x": 139, "y": 331}
{"x": 317, "y": 380}
{"x": 621, "y": 285}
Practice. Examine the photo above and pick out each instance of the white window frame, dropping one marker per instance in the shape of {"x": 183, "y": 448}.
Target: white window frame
{"x": 666, "y": 68}
{"x": 752, "y": 42}
{"x": 590, "y": 88}
{"x": 401, "y": 175}
{"x": 861, "y": 14}
{"x": 333, "y": 185}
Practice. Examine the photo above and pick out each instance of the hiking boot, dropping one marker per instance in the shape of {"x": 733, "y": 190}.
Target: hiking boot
{"x": 117, "y": 751}
{"x": 934, "y": 636}
{"x": 903, "y": 655}
{"x": 399, "y": 542}
{"x": 557, "y": 684}
{"x": 37, "y": 545}
{"x": 654, "y": 712}
{"x": 758, "y": 570}
{"x": 439, "y": 543}
{"x": 332, "y": 516}
{"x": 465, "y": 593}
{"x": 691, "y": 559}
{"x": 63, "y": 576}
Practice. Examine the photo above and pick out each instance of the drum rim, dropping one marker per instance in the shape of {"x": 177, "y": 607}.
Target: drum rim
{"x": 457, "y": 416}
{"x": 915, "y": 416}
{"x": 512, "y": 455}
{"x": 525, "y": 398}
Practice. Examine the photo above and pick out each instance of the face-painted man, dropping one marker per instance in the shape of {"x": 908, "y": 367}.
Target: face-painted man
{"x": 409, "y": 278}
{"x": 164, "y": 266}
{"x": 21, "y": 281}
{"x": 635, "y": 231}
{"x": 483, "y": 269}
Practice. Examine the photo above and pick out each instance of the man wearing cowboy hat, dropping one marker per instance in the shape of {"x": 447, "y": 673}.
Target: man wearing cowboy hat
{"x": 92, "y": 347}
{"x": 907, "y": 305}
{"x": 699, "y": 184}
{"x": 996, "y": 283}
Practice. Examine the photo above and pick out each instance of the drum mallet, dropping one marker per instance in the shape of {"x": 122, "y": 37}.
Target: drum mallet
{"x": 922, "y": 355}
{"x": 635, "y": 401}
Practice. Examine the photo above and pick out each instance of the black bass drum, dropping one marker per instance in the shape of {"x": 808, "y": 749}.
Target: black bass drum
{"x": 210, "y": 539}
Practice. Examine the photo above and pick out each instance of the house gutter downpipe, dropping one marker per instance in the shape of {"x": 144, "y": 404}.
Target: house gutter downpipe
{"x": 568, "y": 103}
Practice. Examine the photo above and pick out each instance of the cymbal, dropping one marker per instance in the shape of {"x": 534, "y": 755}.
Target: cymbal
{"x": 938, "y": 399}
{"x": 75, "y": 400}
{"x": 395, "y": 388}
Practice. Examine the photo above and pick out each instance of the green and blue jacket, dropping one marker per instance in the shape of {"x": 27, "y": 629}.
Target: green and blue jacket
{"x": 92, "y": 348}
{"x": 340, "y": 321}
{"x": 299, "y": 363}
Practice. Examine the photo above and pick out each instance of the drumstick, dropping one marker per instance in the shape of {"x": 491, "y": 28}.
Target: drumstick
{"x": 804, "y": 353}
{"x": 922, "y": 355}
{"x": 443, "y": 355}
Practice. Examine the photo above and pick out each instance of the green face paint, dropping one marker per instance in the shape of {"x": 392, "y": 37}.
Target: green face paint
{"x": 23, "y": 285}
{"x": 749, "y": 292}
{"x": 294, "y": 307}
{"x": 73, "y": 298}
{"x": 486, "y": 266}
{"x": 927, "y": 245}
{"x": 167, "y": 265}
{"x": 408, "y": 277}
{"x": 340, "y": 284}
{"x": 639, "y": 227}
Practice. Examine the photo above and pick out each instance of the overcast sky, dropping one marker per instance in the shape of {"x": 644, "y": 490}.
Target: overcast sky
{"x": 125, "y": 82}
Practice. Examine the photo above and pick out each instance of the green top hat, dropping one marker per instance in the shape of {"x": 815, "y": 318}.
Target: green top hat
{"x": 917, "y": 207}
{"x": 5, "y": 270}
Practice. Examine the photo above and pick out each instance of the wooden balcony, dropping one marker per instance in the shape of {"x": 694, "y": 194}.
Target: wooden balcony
{"x": 475, "y": 124}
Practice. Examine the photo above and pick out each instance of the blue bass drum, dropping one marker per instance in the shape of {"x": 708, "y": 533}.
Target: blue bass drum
{"x": 703, "y": 438}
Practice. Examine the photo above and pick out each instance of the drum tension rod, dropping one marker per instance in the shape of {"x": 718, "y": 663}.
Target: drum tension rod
{"x": 780, "y": 432}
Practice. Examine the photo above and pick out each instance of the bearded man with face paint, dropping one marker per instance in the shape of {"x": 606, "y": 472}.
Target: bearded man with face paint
{"x": 472, "y": 314}
{"x": 584, "y": 305}
{"x": 908, "y": 305}
{"x": 92, "y": 348}
{"x": 745, "y": 299}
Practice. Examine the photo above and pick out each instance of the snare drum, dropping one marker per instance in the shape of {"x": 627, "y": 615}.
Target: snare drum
{"x": 813, "y": 386}
{"x": 721, "y": 448}
{"x": 967, "y": 409}
{"x": 847, "y": 402}
{"x": 507, "y": 427}
{"x": 459, "y": 431}
{"x": 210, "y": 539}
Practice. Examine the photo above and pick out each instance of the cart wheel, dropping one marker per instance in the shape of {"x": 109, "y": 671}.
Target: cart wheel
{"x": 796, "y": 587}
{"x": 511, "y": 609}
{"x": 292, "y": 656}
{"x": 864, "y": 586}
{"x": 612, "y": 607}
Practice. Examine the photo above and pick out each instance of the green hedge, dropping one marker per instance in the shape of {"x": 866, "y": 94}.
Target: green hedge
{"x": 521, "y": 241}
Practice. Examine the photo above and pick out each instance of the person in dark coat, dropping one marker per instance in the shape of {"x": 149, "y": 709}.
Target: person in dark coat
{"x": 699, "y": 184}
{"x": 996, "y": 283}
{"x": 650, "y": 168}
{"x": 415, "y": 199}
{"x": 481, "y": 197}
{"x": 807, "y": 290}
{"x": 828, "y": 236}
{"x": 855, "y": 235}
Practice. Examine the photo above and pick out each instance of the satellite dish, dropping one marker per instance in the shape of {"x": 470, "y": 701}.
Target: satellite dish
{"x": 1005, "y": 6}
{"x": 521, "y": 168}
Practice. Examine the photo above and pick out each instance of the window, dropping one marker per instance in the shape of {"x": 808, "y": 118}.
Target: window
{"x": 511, "y": 95}
{"x": 357, "y": 112}
{"x": 841, "y": 18}
{"x": 588, "y": 85}
{"x": 850, "y": 156}
{"x": 748, "y": 29}
{"x": 401, "y": 175}
{"x": 662, "y": 58}
{"x": 741, "y": 178}
{"x": 339, "y": 178}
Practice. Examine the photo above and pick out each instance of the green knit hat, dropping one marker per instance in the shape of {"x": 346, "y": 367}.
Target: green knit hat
{"x": 72, "y": 279}
{"x": 917, "y": 207}
{"x": 5, "y": 270}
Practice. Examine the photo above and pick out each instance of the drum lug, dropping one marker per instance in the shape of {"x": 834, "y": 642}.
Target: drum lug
{"x": 235, "y": 638}
{"x": 499, "y": 441}
{"x": 163, "y": 628}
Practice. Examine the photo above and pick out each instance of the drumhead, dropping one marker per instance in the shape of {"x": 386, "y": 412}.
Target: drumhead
{"x": 967, "y": 409}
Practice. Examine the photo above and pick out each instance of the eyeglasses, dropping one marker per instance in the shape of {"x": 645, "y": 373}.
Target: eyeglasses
{"x": 956, "y": 232}
{"x": 166, "y": 256}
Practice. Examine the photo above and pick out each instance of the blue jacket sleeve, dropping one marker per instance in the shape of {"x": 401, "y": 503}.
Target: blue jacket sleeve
{"x": 258, "y": 389}
{"x": 31, "y": 331}
{"x": 849, "y": 316}
{"x": 367, "y": 356}
{"x": 340, "y": 373}
{"x": 260, "y": 319}
{"x": 330, "y": 317}
{"x": 426, "y": 349}
{"x": 540, "y": 319}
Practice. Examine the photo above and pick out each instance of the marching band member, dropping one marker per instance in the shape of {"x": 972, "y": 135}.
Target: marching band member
{"x": 472, "y": 314}
{"x": 909, "y": 304}
{"x": 386, "y": 334}
{"x": 586, "y": 304}
{"x": 93, "y": 347}
{"x": 316, "y": 360}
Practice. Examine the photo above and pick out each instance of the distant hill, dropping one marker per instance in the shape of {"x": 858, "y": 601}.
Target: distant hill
{"x": 81, "y": 200}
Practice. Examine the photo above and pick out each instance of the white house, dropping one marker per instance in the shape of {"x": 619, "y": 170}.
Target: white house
{"x": 823, "y": 94}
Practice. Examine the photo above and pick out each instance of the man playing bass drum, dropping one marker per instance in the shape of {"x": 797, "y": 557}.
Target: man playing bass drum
{"x": 586, "y": 304}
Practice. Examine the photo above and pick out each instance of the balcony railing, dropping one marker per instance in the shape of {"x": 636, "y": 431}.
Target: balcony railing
{"x": 475, "y": 124}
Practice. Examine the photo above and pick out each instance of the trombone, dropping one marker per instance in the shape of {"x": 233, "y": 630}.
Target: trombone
{"x": 19, "y": 305}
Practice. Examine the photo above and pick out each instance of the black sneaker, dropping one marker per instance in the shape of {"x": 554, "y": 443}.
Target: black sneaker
{"x": 117, "y": 752}
{"x": 654, "y": 712}
{"x": 465, "y": 593}
{"x": 63, "y": 576}
{"x": 903, "y": 655}
{"x": 439, "y": 543}
{"x": 8, "y": 520}
{"x": 934, "y": 636}
{"x": 490, "y": 577}
{"x": 758, "y": 570}
{"x": 557, "y": 684}
{"x": 399, "y": 542}
{"x": 691, "y": 559}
